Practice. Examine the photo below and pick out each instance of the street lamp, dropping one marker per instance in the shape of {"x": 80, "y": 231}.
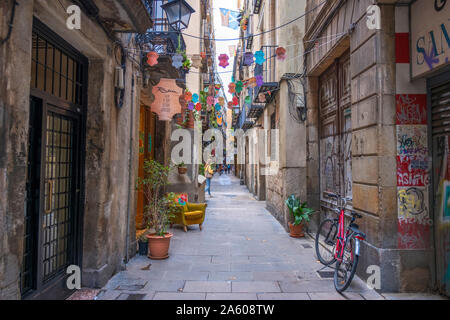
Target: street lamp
{"x": 178, "y": 14}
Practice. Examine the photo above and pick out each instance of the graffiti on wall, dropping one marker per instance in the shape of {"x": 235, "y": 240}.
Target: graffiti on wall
{"x": 412, "y": 171}
{"x": 412, "y": 139}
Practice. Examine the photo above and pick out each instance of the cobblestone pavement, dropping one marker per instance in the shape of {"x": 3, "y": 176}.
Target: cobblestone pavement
{"x": 243, "y": 253}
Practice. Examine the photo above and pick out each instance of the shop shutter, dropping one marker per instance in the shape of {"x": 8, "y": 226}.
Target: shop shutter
{"x": 440, "y": 109}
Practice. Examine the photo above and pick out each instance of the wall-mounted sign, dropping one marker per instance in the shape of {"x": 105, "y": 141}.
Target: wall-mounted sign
{"x": 430, "y": 35}
{"x": 167, "y": 99}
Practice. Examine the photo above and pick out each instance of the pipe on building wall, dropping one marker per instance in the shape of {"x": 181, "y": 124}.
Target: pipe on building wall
{"x": 11, "y": 23}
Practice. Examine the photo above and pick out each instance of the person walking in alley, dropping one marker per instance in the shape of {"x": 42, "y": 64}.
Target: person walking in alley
{"x": 209, "y": 173}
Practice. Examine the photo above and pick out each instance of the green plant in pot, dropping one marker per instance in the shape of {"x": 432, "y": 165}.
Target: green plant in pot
{"x": 160, "y": 208}
{"x": 182, "y": 169}
{"x": 300, "y": 214}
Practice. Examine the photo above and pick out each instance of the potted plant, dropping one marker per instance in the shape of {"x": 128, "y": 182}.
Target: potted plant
{"x": 182, "y": 169}
{"x": 160, "y": 209}
{"x": 300, "y": 213}
{"x": 143, "y": 245}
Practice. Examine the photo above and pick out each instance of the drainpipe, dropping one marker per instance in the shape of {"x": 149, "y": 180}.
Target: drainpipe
{"x": 127, "y": 240}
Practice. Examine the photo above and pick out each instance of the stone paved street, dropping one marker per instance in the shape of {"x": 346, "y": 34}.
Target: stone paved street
{"x": 243, "y": 253}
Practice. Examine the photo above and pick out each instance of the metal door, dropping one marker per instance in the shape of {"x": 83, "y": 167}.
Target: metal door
{"x": 439, "y": 99}
{"x": 52, "y": 239}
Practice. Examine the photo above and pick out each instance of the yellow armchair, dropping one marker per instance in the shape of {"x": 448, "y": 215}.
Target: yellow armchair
{"x": 190, "y": 214}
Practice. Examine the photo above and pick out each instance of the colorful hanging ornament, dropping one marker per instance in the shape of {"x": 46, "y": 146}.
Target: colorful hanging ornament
{"x": 259, "y": 80}
{"x": 262, "y": 97}
{"x": 221, "y": 101}
{"x": 281, "y": 53}
{"x": 210, "y": 100}
{"x": 203, "y": 55}
{"x": 248, "y": 100}
{"x": 239, "y": 86}
{"x": 196, "y": 61}
{"x": 152, "y": 58}
{"x": 177, "y": 60}
{"x": 259, "y": 57}
{"x": 191, "y": 106}
{"x": 232, "y": 88}
{"x": 235, "y": 101}
{"x": 248, "y": 58}
{"x": 218, "y": 107}
{"x": 195, "y": 98}
{"x": 223, "y": 58}
{"x": 198, "y": 107}
{"x": 230, "y": 105}
{"x": 188, "y": 96}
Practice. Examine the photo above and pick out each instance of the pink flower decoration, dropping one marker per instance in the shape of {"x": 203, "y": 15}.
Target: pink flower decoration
{"x": 281, "y": 53}
{"x": 223, "y": 58}
{"x": 210, "y": 100}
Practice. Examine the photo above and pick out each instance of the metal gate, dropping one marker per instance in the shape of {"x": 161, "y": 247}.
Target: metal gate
{"x": 335, "y": 130}
{"x": 439, "y": 99}
{"x": 53, "y": 207}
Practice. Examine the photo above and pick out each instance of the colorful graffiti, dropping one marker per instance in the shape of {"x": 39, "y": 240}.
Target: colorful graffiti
{"x": 411, "y": 109}
{"x": 412, "y": 140}
{"x": 412, "y": 171}
{"x": 413, "y": 235}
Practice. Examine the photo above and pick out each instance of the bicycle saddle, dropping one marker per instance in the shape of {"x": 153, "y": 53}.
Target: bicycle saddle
{"x": 355, "y": 229}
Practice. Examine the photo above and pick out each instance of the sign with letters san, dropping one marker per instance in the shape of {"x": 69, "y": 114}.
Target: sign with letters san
{"x": 430, "y": 35}
{"x": 167, "y": 99}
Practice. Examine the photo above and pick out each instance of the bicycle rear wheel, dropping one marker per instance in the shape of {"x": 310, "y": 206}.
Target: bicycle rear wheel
{"x": 326, "y": 241}
{"x": 346, "y": 269}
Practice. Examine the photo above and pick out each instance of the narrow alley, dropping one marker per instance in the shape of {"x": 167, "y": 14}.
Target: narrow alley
{"x": 237, "y": 256}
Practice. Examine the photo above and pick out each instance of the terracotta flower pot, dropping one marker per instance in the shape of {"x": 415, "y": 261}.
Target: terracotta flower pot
{"x": 182, "y": 170}
{"x": 158, "y": 247}
{"x": 296, "y": 231}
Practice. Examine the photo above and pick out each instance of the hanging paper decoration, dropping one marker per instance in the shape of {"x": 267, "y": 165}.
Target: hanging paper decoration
{"x": 251, "y": 82}
{"x": 248, "y": 100}
{"x": 221, "y": 101}
{"x": 259, "y": 80}
{"x": 218, "y": 86}
{"x": 248, "y": 58}
{"x": 196, "y": 61}
{"x": 195, "y": 98}
{"x": 231, "y": 88}
{"x": 206, "y": 89}
{"x": 230, "y": 105}
{"x": 177, "y": 60}
{"x": 191, "y": 106}
{"x": 259, "y": 57}
{"x": 235, "y": 101}
{"x": 203, "y": 55}
{"x": 223, "y": 58}
{"x": 198, "y": 107}
{"x": 210, "y": 100}
{"x": 262, "y": 97}
{"x": 218, "y": 107}
{"x": 239, "y": 86}
{"x": 219, "y": 119}
{"x": 188, "y": 96}
{"x": 152, "y": 58}
{"x": 281, "y": 53}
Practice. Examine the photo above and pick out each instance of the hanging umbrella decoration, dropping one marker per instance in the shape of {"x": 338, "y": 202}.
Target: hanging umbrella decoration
{"x": 177, "y": 61}
{"x": 239, "y": 87}
{"x": 259, "y": 57}
{"x": 223, "y": 58}
{"x": 281, "y": 53}
{"x": 259, "y": 80}
{"x": 152, "y": 58}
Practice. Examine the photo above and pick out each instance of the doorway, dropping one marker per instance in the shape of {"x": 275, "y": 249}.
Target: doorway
{"x": 53, "y": 221}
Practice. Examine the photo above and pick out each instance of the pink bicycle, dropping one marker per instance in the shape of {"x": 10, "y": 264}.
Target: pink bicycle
{"x": 337, "y": 243}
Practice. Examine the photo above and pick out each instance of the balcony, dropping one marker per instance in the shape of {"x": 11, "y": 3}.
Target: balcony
{"x": 161, "y": 38}
{"x": 254, "y": 111}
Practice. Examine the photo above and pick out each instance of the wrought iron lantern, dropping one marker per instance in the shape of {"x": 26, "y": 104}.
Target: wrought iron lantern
{"x": 178, "y": 14}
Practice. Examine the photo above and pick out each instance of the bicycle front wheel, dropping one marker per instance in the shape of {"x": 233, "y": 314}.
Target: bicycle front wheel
{"x": 326, "y": 241}
{"x": 346, "y": 269}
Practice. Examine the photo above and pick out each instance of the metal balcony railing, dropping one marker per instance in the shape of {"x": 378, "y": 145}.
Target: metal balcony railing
{"x": 269, "y": 65}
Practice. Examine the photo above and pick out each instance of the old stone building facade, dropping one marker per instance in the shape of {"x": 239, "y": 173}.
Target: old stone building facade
{"x": 65, "y": 141}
